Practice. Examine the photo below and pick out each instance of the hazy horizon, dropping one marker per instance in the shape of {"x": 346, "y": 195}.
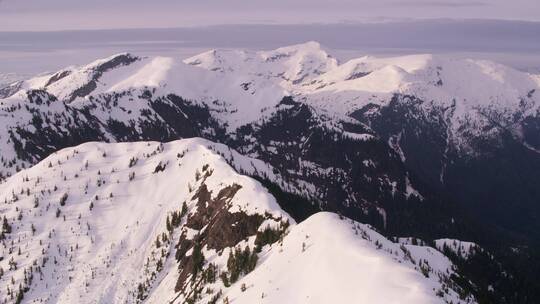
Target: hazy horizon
{"x": 38, "y": 36}
{"x": 514, "y": 43}
{"x": 35, "y": 15}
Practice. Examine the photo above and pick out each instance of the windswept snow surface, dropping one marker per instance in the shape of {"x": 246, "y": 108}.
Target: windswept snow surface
{"x": 326, "y": 259}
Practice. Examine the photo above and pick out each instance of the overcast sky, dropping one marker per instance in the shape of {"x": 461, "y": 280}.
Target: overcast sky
{"x": 39, "y": 15}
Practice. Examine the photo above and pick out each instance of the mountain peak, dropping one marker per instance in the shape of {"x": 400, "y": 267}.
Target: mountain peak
{"x": 244, "y": 86}
{"x": 326, "y": 252}
{"x": 310, "y": 47}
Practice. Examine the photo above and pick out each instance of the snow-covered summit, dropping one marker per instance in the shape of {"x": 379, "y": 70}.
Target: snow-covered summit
{"x": 287, "y": 66}
{"x": 467, "y": 84}
{"x": 325, "y": 253}
{"x": 89, "y": 224}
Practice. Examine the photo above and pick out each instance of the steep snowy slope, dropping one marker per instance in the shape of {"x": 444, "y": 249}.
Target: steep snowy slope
{"x": 9, "y": 82}
{"x": 156, "y": 223}
{"x": 73, "y": 82}
{"x": 85, "y": 223}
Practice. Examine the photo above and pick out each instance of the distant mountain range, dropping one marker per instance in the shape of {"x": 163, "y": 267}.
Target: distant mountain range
{"x": 426, "y": 147}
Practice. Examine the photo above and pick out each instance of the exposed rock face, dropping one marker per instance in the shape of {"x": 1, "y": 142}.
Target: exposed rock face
{"x": 218, "y": 228}
{"x": 95, "y": 73}
{"x": 57, "y": 76}
{"x": 9, "y": 90}
{"x": 223, "y": 228}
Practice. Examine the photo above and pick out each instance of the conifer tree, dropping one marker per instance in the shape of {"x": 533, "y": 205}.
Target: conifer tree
{"x": 198, "y": 259}
{"x": 6, "y": 228}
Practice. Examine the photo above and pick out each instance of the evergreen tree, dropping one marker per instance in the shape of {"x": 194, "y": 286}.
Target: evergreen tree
{"x": 241, "y": 262}
{"x": 63, "y": 199}
{"x": 184, "y": 210}
{"x": 210, "y": 273}
{"x": 267, "y": 236}
{"x": 169, "y": 225}
{"x": 6, "y": 228}
{"x": 225, "y": 279}
{"x": 198, "y": 259}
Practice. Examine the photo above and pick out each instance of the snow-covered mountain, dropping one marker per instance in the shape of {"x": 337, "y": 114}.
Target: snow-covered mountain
{"x": 310, "y": 74}
{"x": 246, "y": 84}
{"x": 175, "y": 223}
{"x": 472, "y": 98}
{"x": 425, "y": 146}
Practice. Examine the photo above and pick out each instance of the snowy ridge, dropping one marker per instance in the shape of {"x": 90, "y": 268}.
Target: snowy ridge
{"x": 114, "y": 208}
{"x": 325, "y": 253}
{"x": 287, "y": 66}
{"x": 73, "y": 82}
{"x": 120, "y": 223}
{"x": 460, "y": 248}
{"x": 310, "y": 73}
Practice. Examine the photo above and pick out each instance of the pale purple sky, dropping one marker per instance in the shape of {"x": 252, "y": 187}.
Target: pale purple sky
{"x": 40, "y": 15}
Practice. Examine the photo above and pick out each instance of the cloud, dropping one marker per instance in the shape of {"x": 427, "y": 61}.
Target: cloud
{"x": 443, "y": 3}
{"x": 21, "y": 15}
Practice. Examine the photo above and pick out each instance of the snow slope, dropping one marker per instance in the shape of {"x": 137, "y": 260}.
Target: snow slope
{"x": 91, "y": 224}
{"x": 325, "y": 254}
{"x": 96, "y": 255}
